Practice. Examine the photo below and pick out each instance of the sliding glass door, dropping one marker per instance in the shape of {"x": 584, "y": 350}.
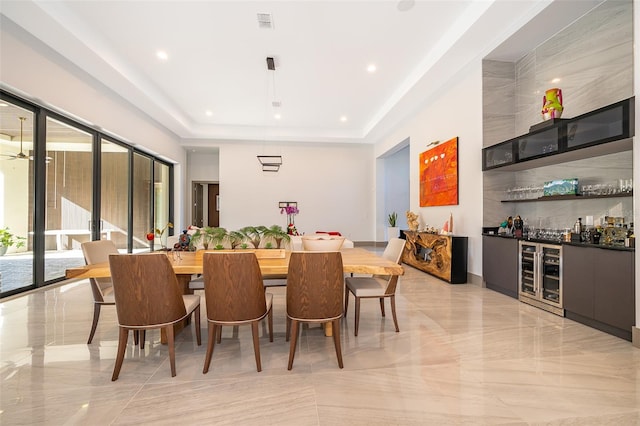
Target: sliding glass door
{"x": 63, "y": 183}
{"x": 114, "y": 190}
{"x": 69, "y": 189}
{"x": 16, "y": 197}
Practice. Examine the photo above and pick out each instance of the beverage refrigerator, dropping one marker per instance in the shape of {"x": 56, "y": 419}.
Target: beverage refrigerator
{"x": 540, "y": 276}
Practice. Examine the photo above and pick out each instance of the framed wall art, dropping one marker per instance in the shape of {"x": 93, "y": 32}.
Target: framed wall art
{"x": 439, "y": 175}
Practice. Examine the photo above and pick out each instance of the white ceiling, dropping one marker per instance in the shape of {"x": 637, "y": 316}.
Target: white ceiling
{"x": 217, "y": 57}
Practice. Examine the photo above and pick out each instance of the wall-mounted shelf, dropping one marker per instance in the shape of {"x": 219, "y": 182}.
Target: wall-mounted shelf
{"x": 567, "y": 198}
{"x": 608, "y": 129}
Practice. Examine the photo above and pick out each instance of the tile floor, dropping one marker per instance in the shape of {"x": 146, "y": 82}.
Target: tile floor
{"x": 464, "y": 355}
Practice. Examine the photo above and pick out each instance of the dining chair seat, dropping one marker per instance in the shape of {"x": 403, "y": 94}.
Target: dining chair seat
{"x": 367, "y": 286}
{"x": 197, "y": 283}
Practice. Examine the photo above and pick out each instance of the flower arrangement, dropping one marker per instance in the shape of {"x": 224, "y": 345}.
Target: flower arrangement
{"x": 158, "y": 233}
{"x": 291, "y": 211}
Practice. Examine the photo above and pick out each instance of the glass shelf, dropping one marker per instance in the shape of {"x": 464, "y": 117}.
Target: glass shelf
{"x": 568, "y": 197}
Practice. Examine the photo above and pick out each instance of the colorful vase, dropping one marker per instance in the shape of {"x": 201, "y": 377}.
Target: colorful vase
{"x": 552, "y": 104}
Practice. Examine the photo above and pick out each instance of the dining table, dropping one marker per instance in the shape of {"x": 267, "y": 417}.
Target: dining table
{"x": 273, "y": 263}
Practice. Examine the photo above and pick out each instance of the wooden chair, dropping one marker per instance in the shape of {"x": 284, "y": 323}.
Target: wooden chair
{"x": 102, "y": 288}
{"x": 377, "y": 286}
{"x": 314, "y": 295}
{"x": 234, "y": 295}
{"x": 147, "y": 297}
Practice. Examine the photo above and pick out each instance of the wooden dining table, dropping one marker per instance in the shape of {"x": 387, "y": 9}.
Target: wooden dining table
{"x": 273, "y": 263}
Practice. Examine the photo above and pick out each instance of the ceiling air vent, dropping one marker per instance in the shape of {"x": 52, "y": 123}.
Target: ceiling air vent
{"x": 264, "y": 20}
{"x": 276, "y": 104}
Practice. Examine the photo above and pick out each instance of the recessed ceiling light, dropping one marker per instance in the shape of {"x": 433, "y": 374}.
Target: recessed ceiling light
{"x": 277, "y": 116}
{"x": 2, "y": 104}
{"x": 162, "y": 55}
{"x": 371, "y": 68}
{"x": 555, "y": 80}
{"x": 343, "y": 118}
{"x": 209, "y": 113}
{"x": 404, "y": 5}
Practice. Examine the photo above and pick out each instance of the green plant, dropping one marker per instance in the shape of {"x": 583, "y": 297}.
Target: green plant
{"x": 277, "y": 234}
{"x": 208, "y": 236}
{"x": 236, "y": 239}
{"x": 254, "y": 234}
{"x": 392, "y": 220}
{"x": 8, "y": 239}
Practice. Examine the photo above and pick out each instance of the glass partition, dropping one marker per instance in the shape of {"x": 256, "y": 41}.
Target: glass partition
{"x": 69, "y": 180}
{"x": 114, "y": 183}
{"x": 16, "y": 195}
{"x": 142, "y": 207}
{"x": 161, "y": 203}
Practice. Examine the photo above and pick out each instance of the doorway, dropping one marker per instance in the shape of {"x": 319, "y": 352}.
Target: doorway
{"x": 206, "y": 204}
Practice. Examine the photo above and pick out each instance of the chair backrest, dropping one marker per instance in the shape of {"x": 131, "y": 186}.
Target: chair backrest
{"x": 98, "y": 252}
{"x": 146, "y": 290}
{"x": 233, "y": 286}
{"x": 393, "y": 252}
{"x": 315, "y": 285}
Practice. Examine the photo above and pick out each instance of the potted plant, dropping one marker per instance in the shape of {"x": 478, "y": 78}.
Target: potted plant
{"x": 218, "y": 237}
{"x": 205, "y": 235}
{"x": 392, "y": 228}
{"x": 277, "y": 234}
{"x": 237, "y": 239}
{"x": 8, "y": 239}
{"x": 254, "y": 234}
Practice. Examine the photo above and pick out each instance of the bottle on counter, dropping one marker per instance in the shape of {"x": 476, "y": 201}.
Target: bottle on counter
{"x": 577, "y": 228}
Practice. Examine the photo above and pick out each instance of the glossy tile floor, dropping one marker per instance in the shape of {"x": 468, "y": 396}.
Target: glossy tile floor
{"x": 464, "y": 355}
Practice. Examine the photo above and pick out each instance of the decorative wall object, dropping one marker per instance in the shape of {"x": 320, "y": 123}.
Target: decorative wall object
{"x": 439, "y": 175}
{"x": 552, "y": 104}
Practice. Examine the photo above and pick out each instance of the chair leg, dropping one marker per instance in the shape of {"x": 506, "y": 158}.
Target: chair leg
{"x": 143, "y": 338}
{"x": 136, "y": 337}
{"x": 294, "y": 341}
{"x": 382, "y": 305}
{"x": 346, "y": 300}
{"x": 270, "y": 322}
{"x": 172, "y": 348}
{"x": 393, "y": 312}
{"x": 212, "y": 330}
{"x": 355, "y": 331}
{"x": 288, "y": 329}
{"x": 123, "y": 335}
{"x": 256, "y": 344}
{"x": 94, "y": 325}
{"x": 219, "y": 333}
{"x": 196, "y": 313}
{"x": 336, "y": 341}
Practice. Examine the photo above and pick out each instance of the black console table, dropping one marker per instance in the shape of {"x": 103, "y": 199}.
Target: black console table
{"x": 443, "y": 256}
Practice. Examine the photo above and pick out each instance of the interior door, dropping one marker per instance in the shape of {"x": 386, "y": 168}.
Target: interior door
{"x": 197, "y": 205}
{"x": 214, "y": 205}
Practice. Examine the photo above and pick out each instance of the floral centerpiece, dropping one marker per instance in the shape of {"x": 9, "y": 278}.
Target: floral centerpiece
{"x": 290, "y": 211}
{"x": 158, "y": 233}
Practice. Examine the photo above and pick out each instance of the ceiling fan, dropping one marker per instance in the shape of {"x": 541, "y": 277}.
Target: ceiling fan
{"x": 21, "y": 155}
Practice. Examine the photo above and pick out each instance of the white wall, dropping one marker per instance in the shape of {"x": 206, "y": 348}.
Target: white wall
{"x": 457, "y": 112}
{"x": 333, "y": 185}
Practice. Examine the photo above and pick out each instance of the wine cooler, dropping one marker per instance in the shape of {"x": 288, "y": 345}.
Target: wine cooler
{"x": 540, "y": 276}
